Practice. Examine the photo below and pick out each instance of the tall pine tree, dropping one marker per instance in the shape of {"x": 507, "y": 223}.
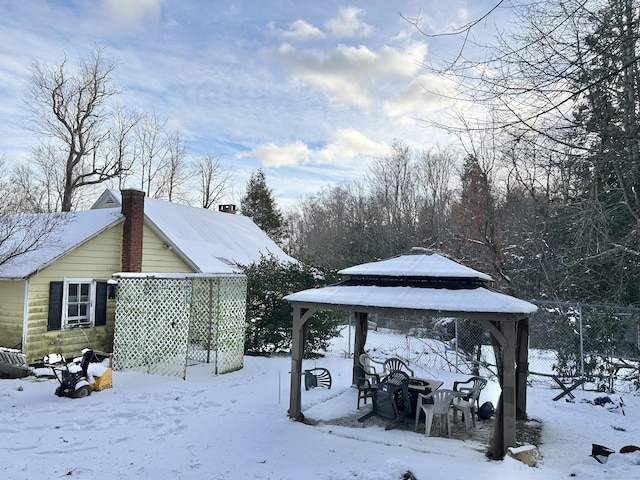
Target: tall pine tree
{"x": 259, "y": 205}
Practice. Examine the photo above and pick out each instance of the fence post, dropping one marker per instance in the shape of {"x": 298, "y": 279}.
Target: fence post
{"x": 351, "y": 315}
{"x": 581, "y": 341}
{"x": 456, "y": 333}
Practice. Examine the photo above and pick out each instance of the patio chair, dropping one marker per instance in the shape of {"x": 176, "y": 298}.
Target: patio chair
{"x": 366, "y": 383}
{"x": 317, "y": 377}
{"x": 391, "y": 399}
{"x": 394, "y": 363}
{"x": 468, "y": 397}
{"x": 466, "y": 408}
{"x": 367, "y": 363}
{"x": 440, "y": 406}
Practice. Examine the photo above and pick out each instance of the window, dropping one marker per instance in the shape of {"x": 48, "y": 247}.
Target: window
{"x": 77, "y": 303}
{"x": 78, "y": 300}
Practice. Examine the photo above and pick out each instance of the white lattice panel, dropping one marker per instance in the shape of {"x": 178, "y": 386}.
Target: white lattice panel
{"x": 164, "y": 324}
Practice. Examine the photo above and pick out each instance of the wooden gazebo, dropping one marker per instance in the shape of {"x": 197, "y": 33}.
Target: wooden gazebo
{"x": 433, "y": 285}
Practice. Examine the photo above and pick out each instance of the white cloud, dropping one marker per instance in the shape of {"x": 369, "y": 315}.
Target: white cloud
{"x": 298, "y": 30}
{"x": 348, "y": 24}
{"x": 272, "y": 155}
{"x": 132, "y": 14}
{"x": 424, "y": 95}
{"x": 356, "y": 75}
{"x": 463, "y": 15}
{"x": 349, "y": 144}
{"x": 344, "y": 146}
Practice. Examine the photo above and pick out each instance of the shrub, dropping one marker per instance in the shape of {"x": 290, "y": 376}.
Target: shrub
{"x": 269, "y": 319}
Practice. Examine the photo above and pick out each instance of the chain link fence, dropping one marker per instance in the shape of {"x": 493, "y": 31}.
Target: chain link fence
{"x": 450, "y": 344}
{"x": 569, "y": 341}
{"x": 600, "y": 343}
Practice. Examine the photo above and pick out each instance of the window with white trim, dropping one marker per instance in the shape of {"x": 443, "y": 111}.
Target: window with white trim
{"x": 78, "y": 303}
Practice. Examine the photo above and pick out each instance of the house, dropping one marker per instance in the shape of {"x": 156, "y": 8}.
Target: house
{"x": 61, "y": 297}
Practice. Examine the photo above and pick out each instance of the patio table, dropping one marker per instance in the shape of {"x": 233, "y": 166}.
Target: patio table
{"x": 421, "y": 385}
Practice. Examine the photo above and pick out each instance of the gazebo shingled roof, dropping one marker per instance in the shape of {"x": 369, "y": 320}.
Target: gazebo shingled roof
{"x": 429, "y": 283}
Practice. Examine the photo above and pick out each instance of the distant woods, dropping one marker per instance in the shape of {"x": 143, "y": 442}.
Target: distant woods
{"x": 476, "y": 208}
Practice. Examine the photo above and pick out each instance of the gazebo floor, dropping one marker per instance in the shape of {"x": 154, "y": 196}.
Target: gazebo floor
{"x": 481, "y": 432}
{"x": 528, "y": 432}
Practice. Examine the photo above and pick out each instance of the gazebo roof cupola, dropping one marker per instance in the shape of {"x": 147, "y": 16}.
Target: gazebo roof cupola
{"x": 418, "y": 268}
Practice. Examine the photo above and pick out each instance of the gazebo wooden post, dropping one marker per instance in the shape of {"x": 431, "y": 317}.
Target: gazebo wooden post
{"x": 509, "y": 385}
{"x": 522, "y": 369}
{"x": 505, "y": 333}
{"x": 362, "y": 327}
{"x": 298, "y": 337}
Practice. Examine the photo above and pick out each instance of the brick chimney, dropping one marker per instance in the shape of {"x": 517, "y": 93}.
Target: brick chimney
{"x": 133, "y": 210}
{"x": 227, "y": 208}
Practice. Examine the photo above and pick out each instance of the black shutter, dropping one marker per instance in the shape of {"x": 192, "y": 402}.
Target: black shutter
{"x": 101, "y": 304}
{"x": 54, "y": 321}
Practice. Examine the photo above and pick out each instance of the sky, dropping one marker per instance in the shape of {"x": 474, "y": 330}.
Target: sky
{"x": 309, "y": 92}
{"x": 235, "y": 427}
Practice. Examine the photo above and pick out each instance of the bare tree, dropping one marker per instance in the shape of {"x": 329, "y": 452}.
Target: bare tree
{"x": 392, "y": 180}
{"x": 336, "y": 228}
{"x": 70, "y": 109}
{"x": 21, "y": 233}
{"x": 122, "y": 141}
{"x": 49, "y": 175}
{"x": 435, "y": 175}
{"x": 150, "y": 154}
{"x": 176, "y": 173}
{"x": 213, "y": 181}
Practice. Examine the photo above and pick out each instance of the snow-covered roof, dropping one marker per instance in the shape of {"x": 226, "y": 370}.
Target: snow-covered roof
{"x": 417, "y": 263}
{"x": 214, "y": 242}
{"x": 477, "y": 300}
{"x": 69, "y": 231}
{"x": 210, "y": 241}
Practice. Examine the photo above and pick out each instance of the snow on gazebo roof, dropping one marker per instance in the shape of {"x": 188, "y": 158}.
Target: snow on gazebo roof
{"x": 466, "y": 294}
{"x": 418, "y": 262}
{"x": 477, "y": 300}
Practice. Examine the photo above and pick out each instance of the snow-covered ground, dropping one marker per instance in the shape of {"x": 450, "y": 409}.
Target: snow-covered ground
{"x": 235, "y": 426}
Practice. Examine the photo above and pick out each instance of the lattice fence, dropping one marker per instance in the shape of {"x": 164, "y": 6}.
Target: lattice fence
{"x": 166, "y": 322}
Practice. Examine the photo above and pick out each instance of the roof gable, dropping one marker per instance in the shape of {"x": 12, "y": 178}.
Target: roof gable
{"x": 71, "y": 230}
{"x": 214, "y": 242}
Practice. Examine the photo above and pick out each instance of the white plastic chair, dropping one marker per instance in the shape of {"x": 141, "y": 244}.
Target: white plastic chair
{"x": 467, "y": 398}
{"x": 440, "y": 407}
{"x": 367, "y": 363}
{"x": 465, "y": 407}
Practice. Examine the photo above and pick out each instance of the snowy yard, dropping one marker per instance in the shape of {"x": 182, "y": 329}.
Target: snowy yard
{"x": 235, "y": 426}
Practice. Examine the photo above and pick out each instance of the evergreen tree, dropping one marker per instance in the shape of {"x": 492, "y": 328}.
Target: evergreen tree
{"x": 479, "y": 240}
{"x": 259, "y": 205}
{"x": 268, "y": 329}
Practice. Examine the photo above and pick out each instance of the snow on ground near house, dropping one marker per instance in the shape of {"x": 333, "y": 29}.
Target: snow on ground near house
{"x": 235, "y": 426}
